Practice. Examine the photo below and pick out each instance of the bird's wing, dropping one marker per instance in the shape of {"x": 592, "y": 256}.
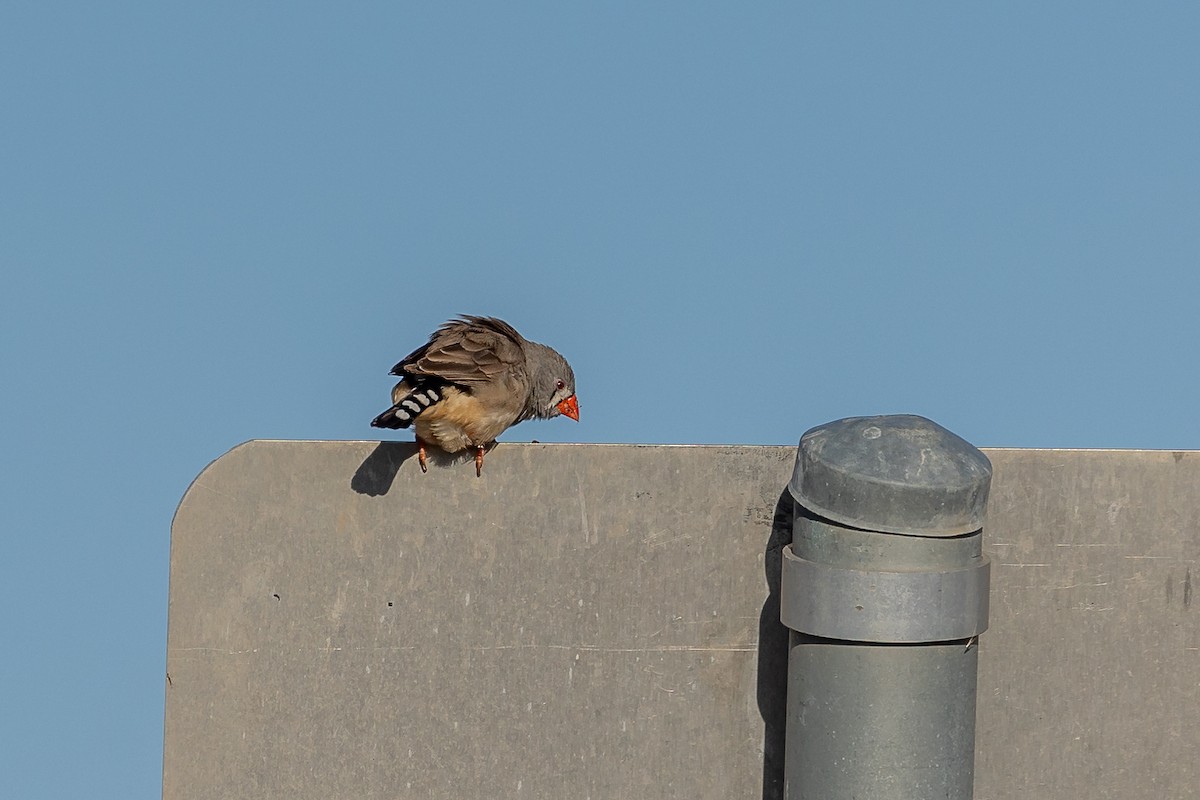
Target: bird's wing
{"x": 470, "y": 350}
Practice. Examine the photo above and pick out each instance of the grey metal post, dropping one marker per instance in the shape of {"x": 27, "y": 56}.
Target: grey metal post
{"x": 884, "y": 588}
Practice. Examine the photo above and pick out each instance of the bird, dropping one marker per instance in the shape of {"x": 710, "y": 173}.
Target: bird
{"x": 475, "y": 378}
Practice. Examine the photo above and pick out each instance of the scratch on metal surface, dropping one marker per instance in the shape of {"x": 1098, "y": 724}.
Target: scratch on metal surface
{"x": 1156, "y": 558}
{"x": 575, "y": 648}
{"x": 583, "y": 515}
{"x": 672, "y": 540}
{"x": 217, "y": 492}
{"x": 595, "y": 648}
{"x": 1098, "y": 544}
{"x": 1024, "y": 565}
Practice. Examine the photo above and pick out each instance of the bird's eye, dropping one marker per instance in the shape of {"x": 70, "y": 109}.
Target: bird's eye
{"x": 559, "y": 384}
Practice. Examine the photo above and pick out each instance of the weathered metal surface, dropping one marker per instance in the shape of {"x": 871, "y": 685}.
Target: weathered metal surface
{"x": 1089, "y": 676}
{"x": 602, "y": 621}
{"x": 579, "y": 622}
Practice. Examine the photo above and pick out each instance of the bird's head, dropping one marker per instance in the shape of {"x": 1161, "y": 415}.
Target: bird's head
{"x": 553, "y": 384}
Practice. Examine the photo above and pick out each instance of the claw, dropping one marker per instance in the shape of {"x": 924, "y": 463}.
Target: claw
{"x": 421, "y": 455}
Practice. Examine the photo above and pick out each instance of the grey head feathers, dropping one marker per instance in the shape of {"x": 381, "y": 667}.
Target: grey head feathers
{"x": 551, "y": 380}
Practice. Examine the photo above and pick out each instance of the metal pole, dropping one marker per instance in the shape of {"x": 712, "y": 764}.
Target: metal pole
{"x": 884, "y": 588}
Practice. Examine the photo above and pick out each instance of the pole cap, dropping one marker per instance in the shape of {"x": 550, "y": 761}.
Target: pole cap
{"x": 895, "y": 474}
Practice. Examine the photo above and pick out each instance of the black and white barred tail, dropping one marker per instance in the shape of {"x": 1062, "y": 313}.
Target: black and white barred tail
{"x": 408, "y": 408}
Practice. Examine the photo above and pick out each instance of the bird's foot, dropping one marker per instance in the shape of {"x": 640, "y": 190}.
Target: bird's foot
{"x": 479, "y": 461}
{"x": 421, "y": 455}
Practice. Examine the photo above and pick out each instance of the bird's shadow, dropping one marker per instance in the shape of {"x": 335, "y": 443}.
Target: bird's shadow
{"x": 773, "y": 638}
{"x": 376, "y": 474}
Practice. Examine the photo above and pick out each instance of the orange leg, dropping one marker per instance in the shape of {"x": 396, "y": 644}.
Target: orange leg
{"x": 421, "y": 455}
{"x": 479, "y": 461}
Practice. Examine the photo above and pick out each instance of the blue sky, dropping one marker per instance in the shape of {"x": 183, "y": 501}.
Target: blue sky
{"x": 221, "y": 221}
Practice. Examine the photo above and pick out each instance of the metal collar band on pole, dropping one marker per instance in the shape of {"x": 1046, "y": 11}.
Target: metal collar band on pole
{"x": 884, "y": 587}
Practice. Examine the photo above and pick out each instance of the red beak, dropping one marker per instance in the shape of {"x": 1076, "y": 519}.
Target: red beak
{"x": 569, "y": 407}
